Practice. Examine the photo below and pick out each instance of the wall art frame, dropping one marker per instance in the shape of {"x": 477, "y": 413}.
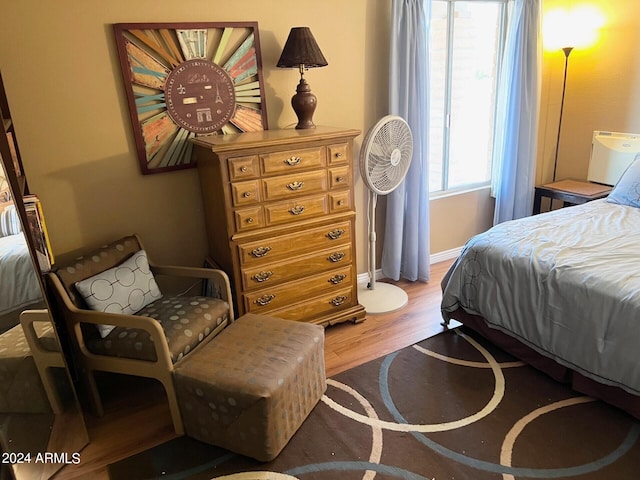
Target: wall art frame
{"x": 187, "y": 79}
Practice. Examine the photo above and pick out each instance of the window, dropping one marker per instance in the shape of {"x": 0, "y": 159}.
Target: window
{"x": 466, "y": 41}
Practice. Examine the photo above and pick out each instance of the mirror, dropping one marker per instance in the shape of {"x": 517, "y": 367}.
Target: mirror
{"x": 41, "y": 423}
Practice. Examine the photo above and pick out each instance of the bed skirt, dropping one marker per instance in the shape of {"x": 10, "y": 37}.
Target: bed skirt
{"x": 610, "y": 394}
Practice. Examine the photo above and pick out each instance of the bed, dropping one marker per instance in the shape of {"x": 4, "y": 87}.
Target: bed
{"x": 561, "y": 291}
{"x": 19, "y": 286}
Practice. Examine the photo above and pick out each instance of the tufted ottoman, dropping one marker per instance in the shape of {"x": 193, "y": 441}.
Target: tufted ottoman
{"x": 251, "y": 387}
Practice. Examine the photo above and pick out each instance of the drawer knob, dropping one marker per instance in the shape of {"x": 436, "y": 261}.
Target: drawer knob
{"x": 335, "y": 234}
{"x": 295, "y": 186}
{"x": 262, "y": 276}
{"x": 336, "y": 257}
{"x": 260, "y": 251}
{"x": 297, "y": 210}
{"x": 340, "y": 203}
{"x": 339, "y": 179}
{"x": 264, "y": 300}
{"x": 250, "y": 220}
{"x": 246, "y": 194}
{"x": 244, "y": 169}
{"x": 293, "y": 161}
{"x": 337, "y": 301}
{"x": 339, "y": 155}
{"x": 337, "y": 278}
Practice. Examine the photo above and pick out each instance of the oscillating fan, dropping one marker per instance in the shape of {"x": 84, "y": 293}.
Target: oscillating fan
{"x": 385, "y": 157}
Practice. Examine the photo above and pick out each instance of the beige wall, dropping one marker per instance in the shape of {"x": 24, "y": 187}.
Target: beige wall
{"x": 456, "y": 218}
{"x": 602, "y": 93}
{"x": 59, "y": 62}
{"x": 60, "y": 67}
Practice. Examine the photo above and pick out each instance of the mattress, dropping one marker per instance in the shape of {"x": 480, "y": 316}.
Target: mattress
{"x": 565, "y": 283}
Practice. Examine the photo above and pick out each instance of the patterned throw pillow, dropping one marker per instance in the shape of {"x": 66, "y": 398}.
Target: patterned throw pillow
{"x": 124, "y": 289}
{"x": 627, "y": 190}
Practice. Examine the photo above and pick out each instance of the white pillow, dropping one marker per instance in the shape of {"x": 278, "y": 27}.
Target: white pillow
{"x": 124, "y": 289}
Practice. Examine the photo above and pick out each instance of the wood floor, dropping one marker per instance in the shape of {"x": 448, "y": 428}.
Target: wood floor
{"x": 136, "y": 412}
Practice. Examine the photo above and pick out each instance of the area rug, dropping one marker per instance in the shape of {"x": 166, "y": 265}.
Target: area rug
{"x": 450, "y": 407}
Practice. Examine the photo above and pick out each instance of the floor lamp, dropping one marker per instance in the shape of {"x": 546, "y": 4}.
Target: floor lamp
{"x": 567, "y": 51}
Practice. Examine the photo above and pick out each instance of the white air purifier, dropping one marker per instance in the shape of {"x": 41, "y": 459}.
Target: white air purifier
{"x": 611, "y": 154}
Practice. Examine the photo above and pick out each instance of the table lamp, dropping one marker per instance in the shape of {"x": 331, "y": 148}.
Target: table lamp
{"x": 301, "y": 51}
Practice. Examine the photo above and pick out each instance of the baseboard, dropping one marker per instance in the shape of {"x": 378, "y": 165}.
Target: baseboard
{"x": 446, "y": 255}
{"x": 434, "y": 258}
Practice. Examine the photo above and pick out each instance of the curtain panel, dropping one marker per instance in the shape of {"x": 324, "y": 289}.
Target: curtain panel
{"x": 405, "y": 250}
{"x": 515, "y": 142}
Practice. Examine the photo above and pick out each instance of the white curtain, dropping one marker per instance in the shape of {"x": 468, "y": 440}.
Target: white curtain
{"x": 405, "y": 251}
{"x": 515, "y": 144}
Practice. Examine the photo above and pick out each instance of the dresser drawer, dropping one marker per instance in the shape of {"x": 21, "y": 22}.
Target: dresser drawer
{"x": 339, "y": 177}
{"x": 290, "y": 160}
{"x": 295, "y": 210}
{"x": 338, "y": 153}
{"x": 245, "y": 193}
{"x": 242, "y": 168}
{"x": 287, "y": 186}
{"x": 340, "y": 201}
{"x": 328, "y": 303}
{"x": 249, "y": 219}
{"x": 285, "y": 246}
{"x": 285, "y": 294}
{"x": 273, "y": 273}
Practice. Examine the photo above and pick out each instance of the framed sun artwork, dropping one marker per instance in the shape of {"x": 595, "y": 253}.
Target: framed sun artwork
{"x": 189, "y": 79}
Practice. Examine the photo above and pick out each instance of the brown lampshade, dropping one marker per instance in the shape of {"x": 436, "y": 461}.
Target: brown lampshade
{"x": 301, "y": 49}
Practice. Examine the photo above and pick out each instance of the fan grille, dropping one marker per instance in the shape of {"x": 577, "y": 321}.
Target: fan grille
{"x": 386, "y": 154}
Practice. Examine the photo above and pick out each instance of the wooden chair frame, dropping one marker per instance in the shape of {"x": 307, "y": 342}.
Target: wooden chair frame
{"x": 162, "y": 368}
{"x": 44, "y": 359}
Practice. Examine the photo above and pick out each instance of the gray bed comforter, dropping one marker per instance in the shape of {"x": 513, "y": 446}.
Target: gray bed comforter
{"x": 567, "y": 283}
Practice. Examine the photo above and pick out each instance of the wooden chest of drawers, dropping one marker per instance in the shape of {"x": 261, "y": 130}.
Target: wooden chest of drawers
{"x": 280, "y": 216}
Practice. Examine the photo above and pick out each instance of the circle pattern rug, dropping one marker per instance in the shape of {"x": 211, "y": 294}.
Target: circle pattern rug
{"x": 450, "y": 407}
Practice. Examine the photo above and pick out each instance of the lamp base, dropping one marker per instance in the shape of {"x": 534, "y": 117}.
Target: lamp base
{"x": 304, "y": 104}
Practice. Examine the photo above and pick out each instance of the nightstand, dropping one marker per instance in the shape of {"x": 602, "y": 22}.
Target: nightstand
{"x": 571, "y": 192}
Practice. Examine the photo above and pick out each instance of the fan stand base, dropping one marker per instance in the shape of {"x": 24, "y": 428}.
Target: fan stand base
{"x": 384, "y": 298}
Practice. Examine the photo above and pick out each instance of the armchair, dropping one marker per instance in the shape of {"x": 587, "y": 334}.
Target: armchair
{"x": 148, "y": 343}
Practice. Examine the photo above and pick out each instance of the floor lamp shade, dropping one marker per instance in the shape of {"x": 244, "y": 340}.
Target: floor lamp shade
{"x": 302, "y": 52}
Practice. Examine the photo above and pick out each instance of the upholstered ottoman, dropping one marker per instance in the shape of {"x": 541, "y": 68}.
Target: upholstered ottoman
{"x": 22, "y": 388}
{"x": 251, "y": 387}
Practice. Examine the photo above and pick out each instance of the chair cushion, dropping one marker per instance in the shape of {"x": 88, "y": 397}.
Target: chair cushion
{"x": 186, "y": 322}
{"x": 99, "y": 260}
